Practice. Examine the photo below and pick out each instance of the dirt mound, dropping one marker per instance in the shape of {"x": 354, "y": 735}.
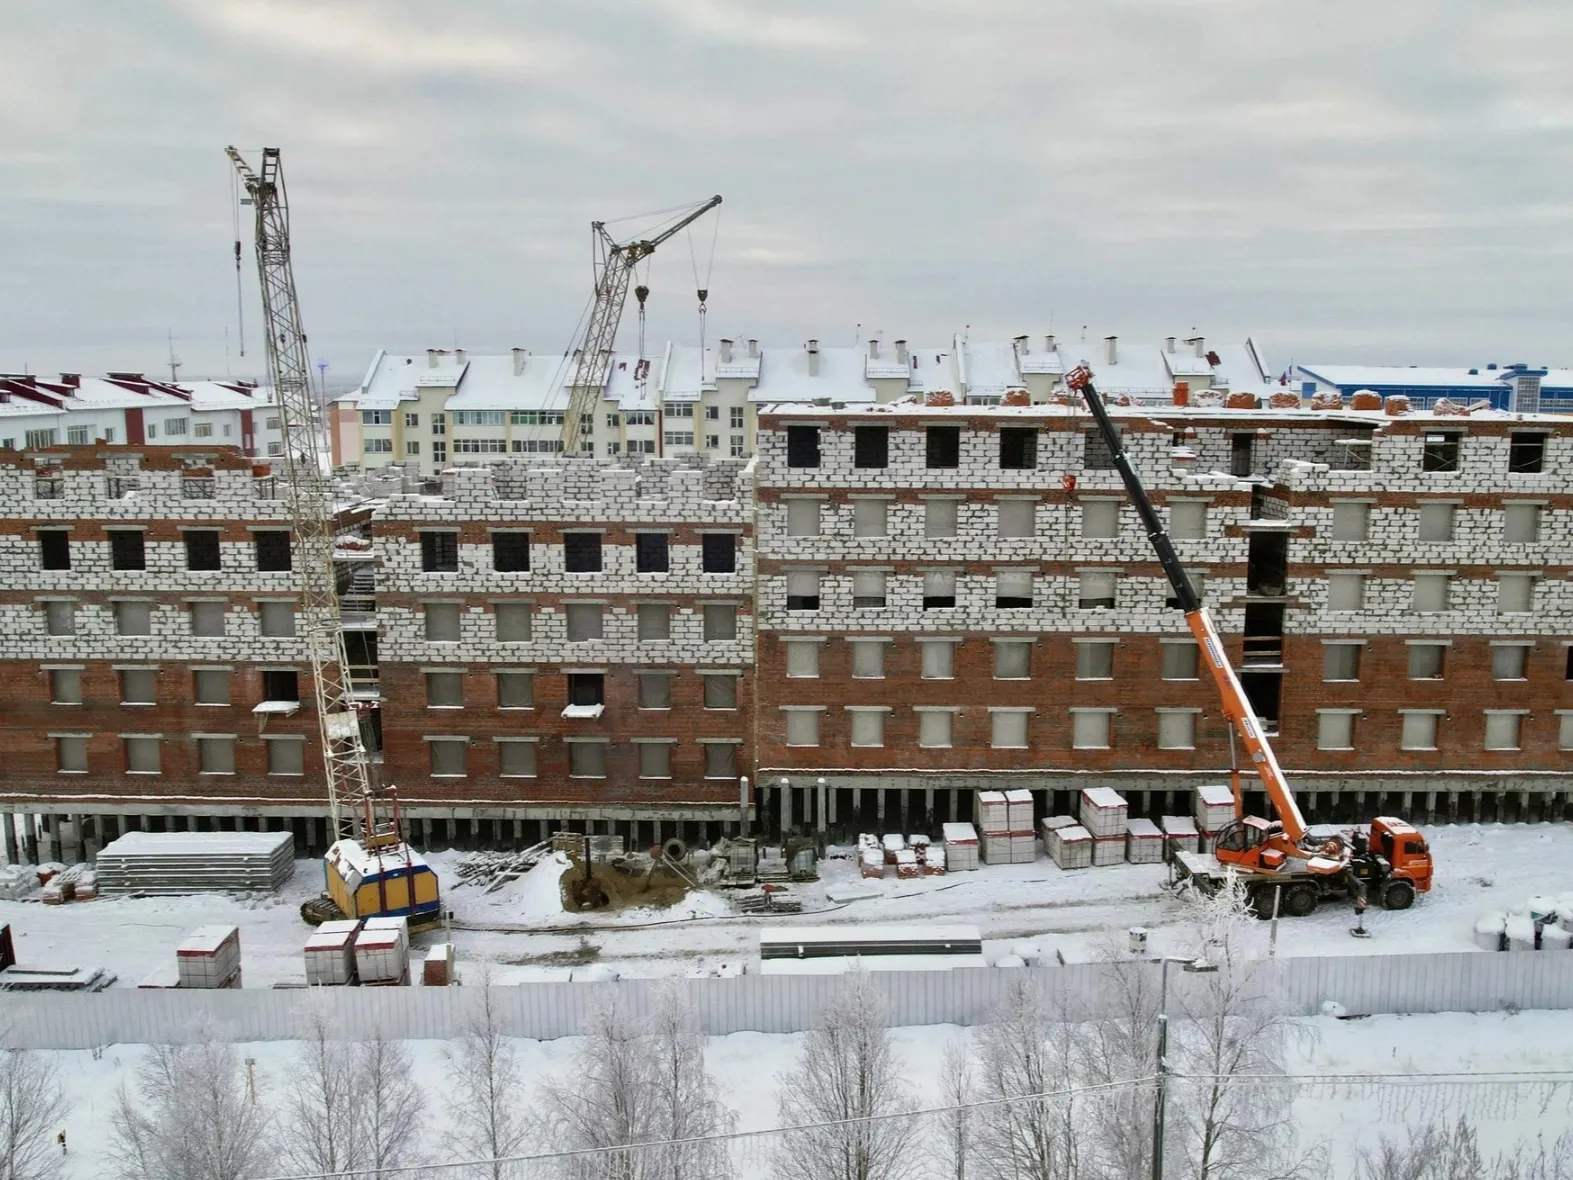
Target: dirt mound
{"x": 634, "y": 883}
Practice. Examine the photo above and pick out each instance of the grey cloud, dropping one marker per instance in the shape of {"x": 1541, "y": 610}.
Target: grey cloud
{"x": 1361, "y": 181}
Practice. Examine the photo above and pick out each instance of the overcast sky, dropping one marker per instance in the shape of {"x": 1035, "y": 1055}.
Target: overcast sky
{"x": 1381, "y": 180}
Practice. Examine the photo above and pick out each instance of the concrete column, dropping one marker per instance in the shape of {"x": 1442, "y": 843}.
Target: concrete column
{"x": 955, "y": 802}
{"x": 8, "y": 823}
{"x": 857, "y": 806}
{"x": 906, "y": 823}
{"x": 820, "y": 806}
{"x": 879, "y": 808}
{"x": 928, "y": 809}
{"x": 30, "y": 839}
{"x": 830, "y": 803}
{"x": 786, "y": 811}
{"x": 49, "y": 841}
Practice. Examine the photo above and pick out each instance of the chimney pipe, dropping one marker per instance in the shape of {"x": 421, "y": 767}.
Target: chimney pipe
{"x": 1199, "y": 343}
{"x": 518, "y": 360}
{"x": 431, "y": 358}
{"x": 726, "y": 352}
{"x": 873, "y": 350}
{"x": 458, "y": 356}
{"x": 1048, "y": 343}
{"x": 1113, "y": 349}
{"x": 1168, "y": 344}
{"x": 901, "y": 351}
{"x": 813, "y": 358}
{"x": 1021, "y": 344}
{"x": 753, "y": 349}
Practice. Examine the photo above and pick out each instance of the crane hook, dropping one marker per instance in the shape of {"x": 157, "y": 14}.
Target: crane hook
{"x": 641, "y": 293}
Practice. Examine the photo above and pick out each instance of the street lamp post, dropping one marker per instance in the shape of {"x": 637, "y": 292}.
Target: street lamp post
{"x": 1161, "y": 1088}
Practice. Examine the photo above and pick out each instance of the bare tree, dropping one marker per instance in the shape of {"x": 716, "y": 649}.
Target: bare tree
{"x": 1230, "y": 1030}
{"x": 1538, "y": 1162}
{"x": 846, "y": 1093}
{"x": 487, "y": 1117}
{"x": 686, "y": 1101}
{"x": 320, "y": 1108}
{"x": 392, "y": 1107}
{"x": 956, "y": 1091}
{"x": 1027, "y": 1061}
{"x": 32, "y": 1107}
{"x": 1120, "y": 1045}
{"x": 606, "y": 1102}
{"x": 190, "y": 1117}
{"x": 1431, "y": 1152}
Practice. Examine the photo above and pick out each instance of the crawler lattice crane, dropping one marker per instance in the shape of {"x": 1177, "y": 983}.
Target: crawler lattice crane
{"x": 614, "y": 270}
{"x": 368, "y": 847}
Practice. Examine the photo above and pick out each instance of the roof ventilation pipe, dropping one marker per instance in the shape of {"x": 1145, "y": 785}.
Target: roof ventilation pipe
{"x": 873, "y": 349}
{"x": 431, "y": 358}
{"x": 1168, "y": 344}
{"x": 458, "y": 357}
{"x": 1021, "y": 345}
{"x": 901, "y": 352}
{"x": 519, "y": 355}
{"x": 726, "y": 352}
{"x": 813, "y": 358}
{"x": 1199, "y": 344}
{"x": 753, "y": 349}
{"x": 1112, "y": 343}
{"x": 1048, "y": 343}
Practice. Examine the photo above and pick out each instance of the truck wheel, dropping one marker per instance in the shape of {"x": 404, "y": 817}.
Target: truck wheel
{"x": 1398, "y": 895}
{"x": 1262, "y": 901}
{"x": 1299, "y": 900}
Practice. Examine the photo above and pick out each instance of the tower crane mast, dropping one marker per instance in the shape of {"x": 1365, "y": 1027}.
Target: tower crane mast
{"x": 614, "y": 268}
{"x": 349, "y": 778}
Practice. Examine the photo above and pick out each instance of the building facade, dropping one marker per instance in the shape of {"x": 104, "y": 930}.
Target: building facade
{"x": 887, "y": 608}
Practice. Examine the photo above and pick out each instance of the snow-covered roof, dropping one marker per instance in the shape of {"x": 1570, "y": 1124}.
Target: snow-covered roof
{"x": 784, "y": 376}
{"x": 33, "y": 395}
{"x": 987, "y": 366}
{"x": 932, "y": 371}
{"x": 1387, "y": 376}
{"x": 394, "y": 377}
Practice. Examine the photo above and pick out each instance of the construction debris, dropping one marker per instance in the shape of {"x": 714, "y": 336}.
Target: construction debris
{"x": 492, "y": 870}
{"x": 196, "y": 862}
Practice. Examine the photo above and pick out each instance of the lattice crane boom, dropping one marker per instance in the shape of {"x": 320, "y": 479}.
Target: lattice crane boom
{"x": 614, "y": 268}
{"x": 349, "y": 774}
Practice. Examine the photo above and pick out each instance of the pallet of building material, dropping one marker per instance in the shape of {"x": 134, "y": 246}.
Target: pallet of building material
{"x": 382, "y": 951}
{"x": 1180, "y": 834}
{"x": 196, "y": 862}
{"x": 1050, "y": 826}
{"x": 437, "y": 966}
{"x": 1108, "y": 850}
{"x": 961, "y": 847}
{"x": 1073, "y": 847}
{"x": 1018, "y": 809}
{"x": 209, "y": 957}
{"x": 907, "y": 866}
{"x": 1214, "y": 808}
{"x": 17, "y": 881}
{"x": 1143, "y": 842}
{"x": 772, "y": 864}
{"x": 993, "y": 812}
{"x": 86, "y": 886}
{"x": 330, "y": 953}
{"x": 894, "y": 844}
{"x": 934, "y": 860}
{"x": 1103, "y": 812}
{"x": 871, "y": 864}
{"x": 919, "y": 843}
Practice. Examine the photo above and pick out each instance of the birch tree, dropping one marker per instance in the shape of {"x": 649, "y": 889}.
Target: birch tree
{"x": 1229, "y": 1029}
{"x": 486, "y": 1117}
{"x": 847, "y": 1082}
{"x": 686, "y": 1101}
{"x": 33, "y": 1108}
{"x": 606, "y": 1102}
{"x": 1026, "y": 1062}
{"x": 190, "y": 1116}
{"x": 1431, "y": 1152}
{"x": 392, "y": 1107}
{"x": 319, "y": 1112}
{"x": 1119, "y": 1046}
{"x": 956, "y": 1092}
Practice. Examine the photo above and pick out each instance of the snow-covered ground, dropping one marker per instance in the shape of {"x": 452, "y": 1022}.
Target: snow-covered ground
{"x": 748, "y": 1068}
{"x": 1479, "y": 868}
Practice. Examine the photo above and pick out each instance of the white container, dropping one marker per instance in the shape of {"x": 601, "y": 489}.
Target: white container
{"x": 1103, "y": 812}
{"x": 1520, "y": 933}
{"x": 1138, "y": 940}
{"x": 1074, "y": 848}
{"x": 1555, "y": 938}
{"x": 1018, "y": 808}
{"x": 1143, "y": 842}
{"x": 1491, "y": 932}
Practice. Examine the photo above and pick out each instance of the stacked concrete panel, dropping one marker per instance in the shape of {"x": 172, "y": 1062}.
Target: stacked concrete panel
{"x": 961, "y": 847}
{"x": 1214, "y": 810}
{"x": 1180, "y": 834}
{"x": 1144, "y": 842}
{"x": 1103, "y": 812}
{"x": 382, "y": 952}
{"x": 1074, "y": 847}
{"x": 196, "y": 862}
{"x": 330, "y": 953}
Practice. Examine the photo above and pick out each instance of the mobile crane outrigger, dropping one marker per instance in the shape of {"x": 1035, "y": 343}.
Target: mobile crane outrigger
{"x": 1389, "y": 864}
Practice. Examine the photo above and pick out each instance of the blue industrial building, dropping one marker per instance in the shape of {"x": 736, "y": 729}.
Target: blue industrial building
{"x": 1518, "y": 388}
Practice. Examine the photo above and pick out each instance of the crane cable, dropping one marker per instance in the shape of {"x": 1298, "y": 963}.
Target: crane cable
{"x": 702, "y": 289}
{"x": 240, "y": 298}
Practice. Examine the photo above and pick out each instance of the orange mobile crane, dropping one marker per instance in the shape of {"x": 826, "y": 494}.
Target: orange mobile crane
{"x": 1282, "y": 868}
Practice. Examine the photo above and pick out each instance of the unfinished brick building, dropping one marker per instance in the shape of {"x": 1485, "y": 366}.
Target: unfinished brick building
{"x": 947, "y": 598}
{"x": 953, "y": 598}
